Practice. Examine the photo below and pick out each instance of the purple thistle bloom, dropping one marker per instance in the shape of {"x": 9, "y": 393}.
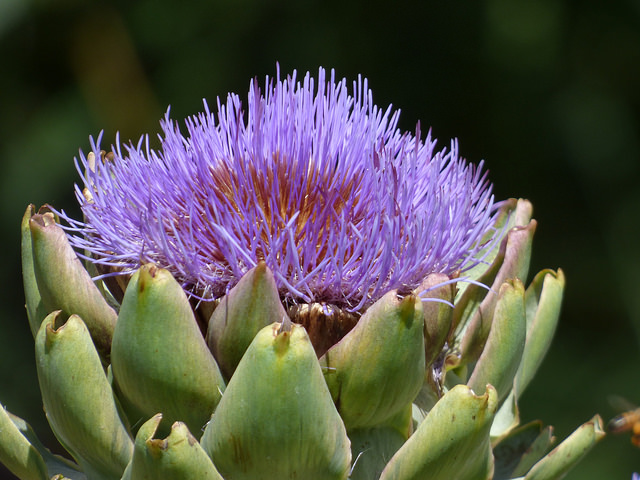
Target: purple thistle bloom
{"x": 318, "y": 183}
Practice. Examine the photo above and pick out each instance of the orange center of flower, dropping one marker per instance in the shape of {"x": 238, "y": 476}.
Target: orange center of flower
{"x": 271, "y": 198}
{"x": 275, "y": 195}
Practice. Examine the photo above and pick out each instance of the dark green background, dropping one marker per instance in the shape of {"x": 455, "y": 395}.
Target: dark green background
{"x": 547, "y": 92}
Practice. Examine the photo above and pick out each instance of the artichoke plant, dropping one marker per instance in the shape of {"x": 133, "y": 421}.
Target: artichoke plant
{"x": 295, "y": 291}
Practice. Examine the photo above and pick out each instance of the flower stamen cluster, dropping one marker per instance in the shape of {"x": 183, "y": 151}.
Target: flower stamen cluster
{"x": 317, "y": 182}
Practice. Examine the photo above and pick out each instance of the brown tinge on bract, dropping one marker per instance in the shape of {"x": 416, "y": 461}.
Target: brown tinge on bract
{"x": 325, "y": 324}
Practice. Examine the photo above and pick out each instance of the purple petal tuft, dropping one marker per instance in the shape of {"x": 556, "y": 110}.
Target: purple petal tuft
{"x": 317, "y": 182}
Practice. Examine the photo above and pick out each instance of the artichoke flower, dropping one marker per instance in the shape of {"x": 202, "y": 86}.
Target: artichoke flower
{"x": 295, "y": 291}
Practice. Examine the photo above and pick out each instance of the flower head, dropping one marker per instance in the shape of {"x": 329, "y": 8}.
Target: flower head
{"x": 314, "y": 180}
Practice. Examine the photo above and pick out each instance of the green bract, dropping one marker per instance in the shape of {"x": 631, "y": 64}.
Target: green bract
{"x": 156, "y": 386}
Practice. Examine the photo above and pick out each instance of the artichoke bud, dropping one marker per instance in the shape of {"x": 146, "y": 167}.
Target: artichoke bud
{"x": 543, "y": 299}
{"x": 248, "y": 307}
{"x": 511, "y": 262}
{"x": 434, "y": 292}
{"x": 276, "y": 418}
{"x": 33, "y": 301}
{"x": 452, "y": 441}
{"x": 160, "y": 360}
{"x": 78, "y": 399}
{"x": 513, "y": 215}
{"x": 502, "y": 352}
{"x": 17, "y": 453}
{"x": 176, "y": 457}
{"x": 63, "y": 282}
{"x": 378, "y": 368}
{"x": 561, "y": 459}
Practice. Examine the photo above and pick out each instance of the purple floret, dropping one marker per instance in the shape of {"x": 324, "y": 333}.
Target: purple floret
{"x": 317, "y": 182}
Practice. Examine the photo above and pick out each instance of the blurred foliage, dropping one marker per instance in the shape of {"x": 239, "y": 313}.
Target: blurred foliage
{"x": 546, "y": 91}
